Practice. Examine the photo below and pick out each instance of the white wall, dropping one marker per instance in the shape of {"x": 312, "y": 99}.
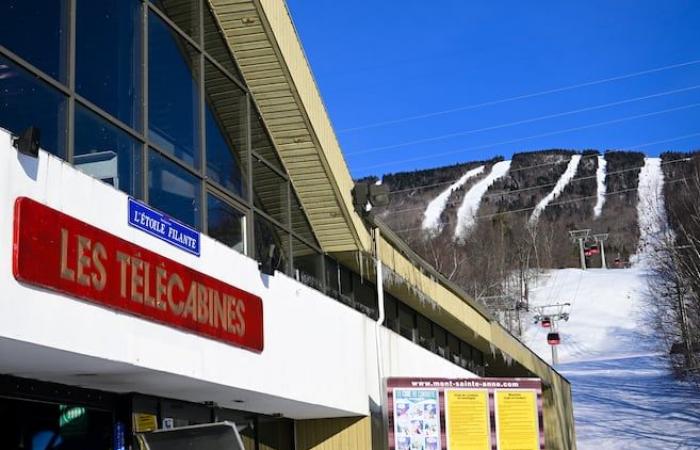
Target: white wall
{"x": 319, "y": 358}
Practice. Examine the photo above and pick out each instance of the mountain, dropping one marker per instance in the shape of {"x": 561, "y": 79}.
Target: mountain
{"x": 485, "y": 224}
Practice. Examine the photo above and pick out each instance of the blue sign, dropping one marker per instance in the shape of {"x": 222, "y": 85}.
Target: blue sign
{"x": 163, "y": 227}
{"x": 119, "y": 439}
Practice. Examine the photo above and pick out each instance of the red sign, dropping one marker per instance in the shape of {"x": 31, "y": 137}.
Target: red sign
{"x": 61, "y": 253}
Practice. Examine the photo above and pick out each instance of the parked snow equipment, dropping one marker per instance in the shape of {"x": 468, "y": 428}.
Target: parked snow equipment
{"x": 553, "y": 338}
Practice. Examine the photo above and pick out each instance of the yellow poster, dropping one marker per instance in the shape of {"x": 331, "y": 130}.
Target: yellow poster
{"x": 467, "y": 416}
{"x": 144, "y": 422}
{"x": 517, "y": 425}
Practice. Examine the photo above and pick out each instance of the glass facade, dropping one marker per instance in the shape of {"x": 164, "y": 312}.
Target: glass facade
{"x": 414, "y": 326}
{"x": 108, "y": 57}
{"x": 26, "y": 101}
{"x": 106, "y": 152}
{"x": 145, "y": 95}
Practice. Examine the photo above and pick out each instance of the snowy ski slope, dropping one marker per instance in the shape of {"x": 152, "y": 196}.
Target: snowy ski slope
{"x": 431, "y": 216}
{"x": 600, "y": 174}
{"x": 562, "y": 182}
{"x": 624, "y": 396}
{"x": 466, "y": 214}
{"x": 650, "y": 208}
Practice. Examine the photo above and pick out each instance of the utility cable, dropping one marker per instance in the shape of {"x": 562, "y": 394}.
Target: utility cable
{"x": 523, "y": 121}
{"x": 550, "y": 133}
{"x": 540, "y": 186}
{"x": 518, "y": 97}
{"x": 563, "y": 202}
{"x": 535, "y": 166}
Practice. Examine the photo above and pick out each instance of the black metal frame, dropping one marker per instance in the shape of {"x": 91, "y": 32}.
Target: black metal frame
{"x": 245, "y": 205}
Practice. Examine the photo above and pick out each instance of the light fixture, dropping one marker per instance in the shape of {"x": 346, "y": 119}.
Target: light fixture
{"x": 28, "y": 142}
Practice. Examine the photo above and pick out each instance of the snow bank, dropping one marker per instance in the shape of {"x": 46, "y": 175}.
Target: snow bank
{"x": 431, "y": 216}
{"x": 600, "y": 181}
{"x": 651, "y": 210}
{"x": 466, "y": 214}
{"x": 558, "y": 188}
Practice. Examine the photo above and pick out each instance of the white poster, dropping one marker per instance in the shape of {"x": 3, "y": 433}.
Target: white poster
{"x": 416, "y": 419}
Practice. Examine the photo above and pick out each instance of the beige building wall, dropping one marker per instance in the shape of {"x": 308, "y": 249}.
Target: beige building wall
{"x": 334, "y": 434}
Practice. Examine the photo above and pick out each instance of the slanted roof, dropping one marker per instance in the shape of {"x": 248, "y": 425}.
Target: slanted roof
{"x": 272, "y": 62}
{"x": 266, "y": 46}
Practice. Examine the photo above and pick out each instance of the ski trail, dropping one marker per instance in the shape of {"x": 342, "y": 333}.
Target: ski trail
{"x": 600, "y": 181}
{"x": 431, "y": 216}
{"x": 558, "y": 188}
{"x": 651, "y": 211}
{"x": 466, "y": 215}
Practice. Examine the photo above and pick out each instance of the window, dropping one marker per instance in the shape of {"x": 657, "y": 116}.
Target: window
{"x": 216, "y": 46}
{"x": 173, "y": 93}
{"x": 332, "y": 277}
{"x": 108, "y": 57}
{"x": 26, "y": 101}
{"x": 36, "y": 31}
{"x": 107, "y": 153}
{"x": 225, "y": 116}
{"x": 173, "y": 189}
{"x": 300, "y": 225}
{"x": 225, "y": 223}
{"x": 406, "y": 321}
{"x": 465, "y": 351}
{"x": 270, "y": 192}
{"x": 425, "y": 333}
{"x": 261, "y": 142}
{"x": 440, "y": 339}
{"x": 185, "y": 414}
{"x": 184, "y": 13}
{"x": 346, "y": 287}
{"x": 365, "y": 295}
{"x": 308, "y": 266}
{"x": 271, "y": 244}
{"x": 42, "y": 425}
{"x": 453, "y": 344}
{"x": 391, "y": 312}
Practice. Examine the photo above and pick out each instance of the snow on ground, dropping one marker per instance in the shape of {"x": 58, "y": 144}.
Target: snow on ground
{"x": 600, "y": 173}
{"x": 650, "y": 208}
{"x": 466, "y": 214}
{"x": 558, "y": 188}
{"x": 624, "y": 396}
{"x": 431, "y": 216}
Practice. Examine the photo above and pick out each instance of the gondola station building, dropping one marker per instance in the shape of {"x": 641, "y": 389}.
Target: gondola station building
{"x": 179, "y": 243}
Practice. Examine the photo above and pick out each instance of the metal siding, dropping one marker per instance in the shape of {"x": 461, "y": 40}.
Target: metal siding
{"x": 334, "y": 434}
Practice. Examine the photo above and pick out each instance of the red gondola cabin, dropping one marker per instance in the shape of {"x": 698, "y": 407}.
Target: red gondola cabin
{"x": 553, "y": 338}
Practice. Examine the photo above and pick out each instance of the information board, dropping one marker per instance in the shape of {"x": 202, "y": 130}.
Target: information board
{"x": 465, "y": 414}
{"x": 467, "y": 418}
{"x": 417, "y": 419}
{"x": 516, "y": 420}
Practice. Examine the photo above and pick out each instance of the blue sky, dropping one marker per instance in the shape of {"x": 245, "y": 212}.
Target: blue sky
{"x": 379, "y": 61}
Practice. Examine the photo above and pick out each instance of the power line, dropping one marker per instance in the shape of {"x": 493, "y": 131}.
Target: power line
{"x": 537, "y": 187}
{"x": 540, "y": 186}
{"x": 519, "y": 169}
{"x": 551, "y": 133}
{"x": 524, "y": 121}
{"x": 535, "y": 166}
{"x": 518, "y": 97}
{"x": 563, "y": 202}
